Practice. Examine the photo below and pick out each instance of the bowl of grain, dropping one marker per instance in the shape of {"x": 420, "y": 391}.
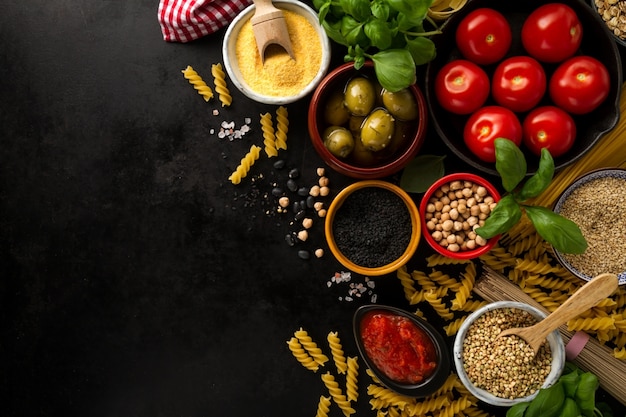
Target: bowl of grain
{"x": 504, "y": 371}
{"x": 452, "y": 208}
{"x": 278, "y": 79}
{"x": 594, "y": 201}
{"x": 614, "y": 16}
{"x": 372, "y": 227}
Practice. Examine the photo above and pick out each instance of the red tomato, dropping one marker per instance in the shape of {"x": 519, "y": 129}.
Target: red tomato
{"x": 518, "y": 83}
{"x": 580, "y": 84}
{"x": 484, "y": 36}
{"x": 549, "y": 127}
{"x": 461, "y": 87}
{"x": 488, "y": 124}
{"x": 552, "y": 32}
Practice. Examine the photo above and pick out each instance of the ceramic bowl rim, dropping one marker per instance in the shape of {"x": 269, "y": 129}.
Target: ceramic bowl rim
{"x": 470, "y": 254}
{"x": 362, "y": 172}
{"x": 557, "y": 348}
{"x": 612, "y": 172}
{"x": 229, "y": 57}
{"x": 435, "y": 381}
{"x": 336, "y": 204}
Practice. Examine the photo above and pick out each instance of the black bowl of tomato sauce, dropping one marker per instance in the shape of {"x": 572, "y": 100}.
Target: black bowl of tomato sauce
{"x": 403, "y": 351}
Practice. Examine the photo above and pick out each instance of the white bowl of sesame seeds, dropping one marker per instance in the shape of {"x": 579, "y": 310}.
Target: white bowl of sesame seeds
{"x": 595, "y": 203}
{"x": 503, "y": 371}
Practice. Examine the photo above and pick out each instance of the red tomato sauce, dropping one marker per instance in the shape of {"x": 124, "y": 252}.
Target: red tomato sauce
{"x": 398, "y": 348}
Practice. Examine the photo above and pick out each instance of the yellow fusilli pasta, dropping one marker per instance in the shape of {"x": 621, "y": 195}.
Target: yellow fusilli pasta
{"x": 456, "y": 407}
{"x": 620, "y": 353}
{"x": 591, "y": 324}
{"x": 428, "y": 405}
{"x": 437, "y": 304}
{"x": 245, "y": 164}
{"x": 282, "y": 126}
{"x": 219, "y": 78}
{"x": 269, "y": 139}
{"x": 310, "y": 346}
{"x": 338, "y": 396}
{"x": 352, "y": 379}
{"x": 301, "y": 355}
{"x": 464, "y": 291}
{"x": 336, "y": 350}
{"x": 323, "y": 407}
{"x": 388, "y": 397}
{"x": 407, "y": 282}
{"x": 453, "y": 327}
{"x": 198, "y": 83}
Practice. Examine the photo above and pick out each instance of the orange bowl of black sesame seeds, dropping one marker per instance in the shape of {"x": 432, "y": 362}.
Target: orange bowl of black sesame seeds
{"x": 372, "y": 227}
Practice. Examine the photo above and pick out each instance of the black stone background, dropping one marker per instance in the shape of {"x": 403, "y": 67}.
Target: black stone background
{"x": 136, "y": 280}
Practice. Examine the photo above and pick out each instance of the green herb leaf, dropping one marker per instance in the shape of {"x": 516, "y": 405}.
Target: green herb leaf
{"x": 412, "y": 8}
{"x": 380, "y": 9}
{"x": 359, "y": 9}
{"x": 570, "y": 408}
{"x": 557, "y": 230}
{"x": 541, "y": 179}
{"x": 510, "y": 163}
{"x": 547, "y": 403}
{"x": 394, "y": 69}
{"x": 333, "y": 30}
{"x": 517, "y": 410}
{"x": 422, "y": 50}
{"x": 353, "y": 31}
{"x": 586, "y": 393}
{"x": 379, "y": 33}
{"x": 421, "y": 173}
{"x": 570, "y": 382}
{"x": 504, "y": 216}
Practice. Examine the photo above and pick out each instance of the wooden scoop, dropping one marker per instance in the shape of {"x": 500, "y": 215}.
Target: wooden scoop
{"x": 583, "y": 299}
{"x": 269, "y": 27}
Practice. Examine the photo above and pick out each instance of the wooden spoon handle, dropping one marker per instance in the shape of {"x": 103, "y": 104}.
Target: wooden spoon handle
{"x": 583, "y": 299}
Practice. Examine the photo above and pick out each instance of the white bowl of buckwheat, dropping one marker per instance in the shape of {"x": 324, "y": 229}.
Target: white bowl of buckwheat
{"x": 504, "y": 371}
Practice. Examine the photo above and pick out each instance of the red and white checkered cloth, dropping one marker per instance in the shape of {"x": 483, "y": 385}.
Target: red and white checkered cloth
{"x": 186, "y": 20}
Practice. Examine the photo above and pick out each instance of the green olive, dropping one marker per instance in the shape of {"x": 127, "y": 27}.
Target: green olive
{"x": 339, "y": 141}
{"x": 401, "y": 104}
{"x": 403, "y": 131}
{"x": 363, "y": 156}
{"x": 335, "y": 111}
{"x": 377, "y": 130}
{"x": 359, "y": 96}
{"x": 354, "y": 124}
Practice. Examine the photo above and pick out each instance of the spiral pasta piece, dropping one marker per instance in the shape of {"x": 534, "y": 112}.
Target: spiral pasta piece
{"x": 388, "y": 397}
{"x": 198, "y": 83}
{"x": 437, "y": 304}
{"x": 301, "y": 355}
{"x": 282, "y": 126}
{"x": 406, "y": 280}
{"x": 455, "y": 407}
{"x": 429, "y": 405}
{"x": 452, "y": 328}
{"x": 219, "y": 78}
{"x": 591, "y": 324}
{"x": 465, "y": 289}
{"x": 269, "y": 139}
{"x": 438, "y": 259}
{"x": 323, "y": 406}
{"x": 245, "y": 165}
{"x": 336, "y": 350}
{"x": 352, "y": 382}
{"x": 311, "y": 347}
{"x": 338, "y": 396}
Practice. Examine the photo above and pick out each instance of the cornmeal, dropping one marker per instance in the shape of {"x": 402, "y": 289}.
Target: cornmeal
{"x": 280, "y": 75}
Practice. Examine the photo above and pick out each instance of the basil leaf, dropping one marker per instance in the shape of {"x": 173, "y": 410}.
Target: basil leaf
{"x": 570, "y": 383}
{"x": 333, "y": 30}
{"x": 557, "y": 230}
{"x": 510, "y": 163}
{"x": 411, "y": 8}
{"x": 422, "y": 50}
{"x": 394, "y": 69}
{"x": 352, "y": 30}
{"x": 379, "y": 33}
{"x": 408, "y": 23}
{"x": 380, "y": 9}
{"x": 541, "y": 179}
{"x": 517, "y": 410}
{"x": 421, "y": 173}
{"x": 359, "y": 9}
{"x": 586, "y": 393}
{"x": 570, "y": 408}
{"x": 504, "y": 216}
{"x": 547, "y": 403}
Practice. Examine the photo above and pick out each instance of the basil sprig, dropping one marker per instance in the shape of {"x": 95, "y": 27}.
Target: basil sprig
{"x": 389, "y": 32}
{"x": 573, "y": 395}
{"x": 557, "y": 230}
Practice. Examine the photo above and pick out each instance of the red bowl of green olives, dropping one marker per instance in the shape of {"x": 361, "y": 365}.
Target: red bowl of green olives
{"x": 362, "y": 130}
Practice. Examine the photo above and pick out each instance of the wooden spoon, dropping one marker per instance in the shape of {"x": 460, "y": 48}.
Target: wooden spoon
{"x": 269, "y": 27}
{"x": 583, "y": 299}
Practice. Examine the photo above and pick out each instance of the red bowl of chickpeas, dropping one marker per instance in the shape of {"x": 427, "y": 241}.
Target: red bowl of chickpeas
{"x": 452, "y": 209}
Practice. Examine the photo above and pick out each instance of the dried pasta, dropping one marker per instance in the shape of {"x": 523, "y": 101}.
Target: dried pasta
{"x": 323, "y": 406}
{"x": 464, "y": 291}
{"x": 310, "y": 346}
{"x": 456, "y": 407}
{"x": 593, "y": 324}
{"x": 282, "y": 126}
{"x": 437, "y": 260}
{"x": 245, "y": 164}
{"x": 406, "y": 280}
{"x": 388, "y": 397}
{"x": 352, "y": 381}
{"x": 219, "y": 78}
{"x": 198, "y": 83}
{"x": 452, "y": 328}
{"x": 437, "y": 304}
{"x": 301, "y": 355}
{"x": 338, "y": 396}
{"x": 428, "y": 405}
{"x": 269, "y": 139}
{"x": 336, "y": 350}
